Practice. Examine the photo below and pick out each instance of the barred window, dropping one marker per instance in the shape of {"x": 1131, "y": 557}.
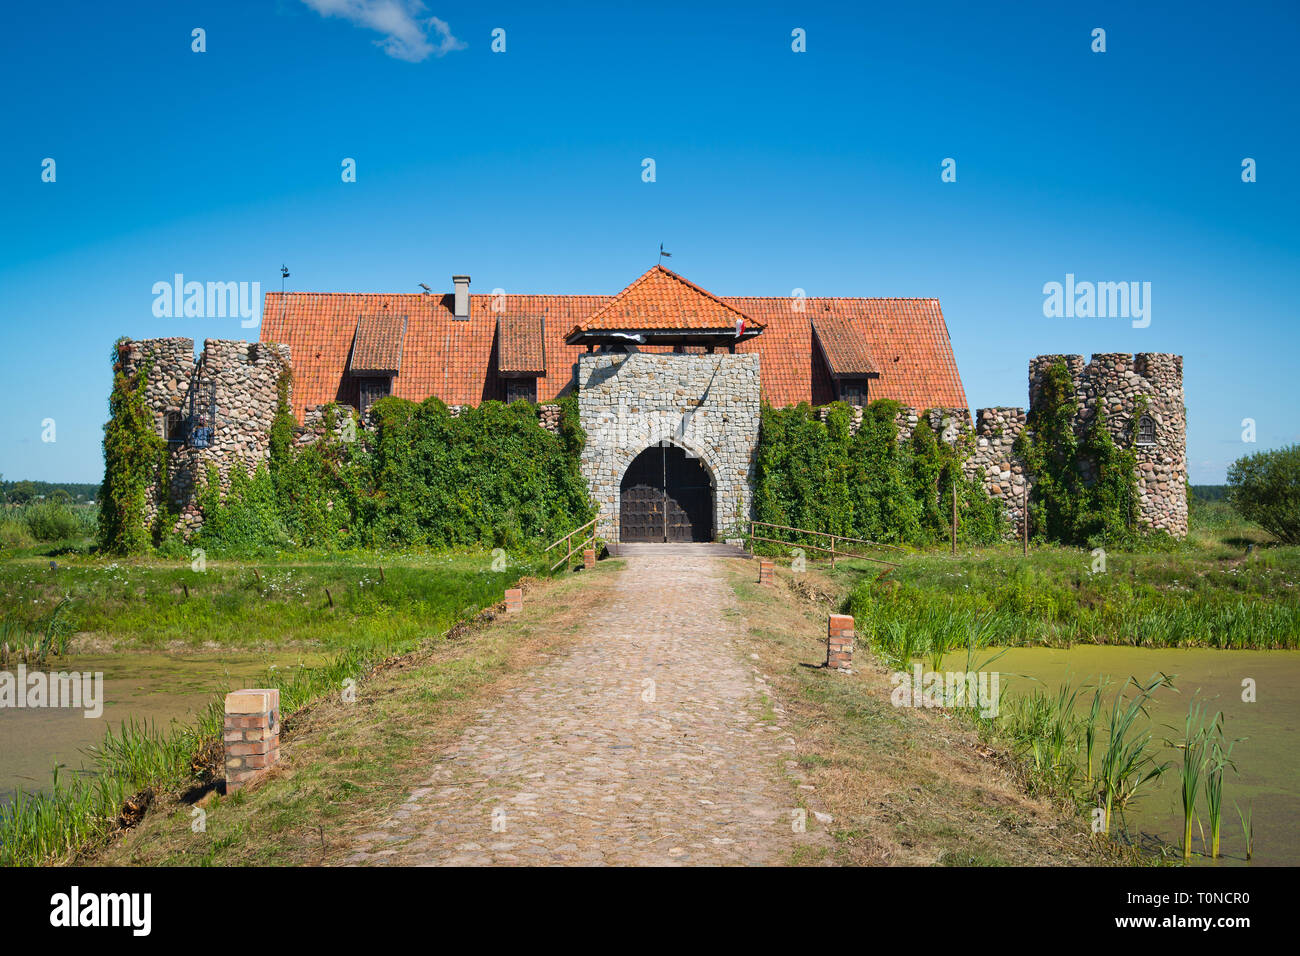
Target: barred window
{"x": 1146, "y": 434}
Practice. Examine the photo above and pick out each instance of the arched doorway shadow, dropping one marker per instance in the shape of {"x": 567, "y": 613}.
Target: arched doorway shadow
{"x": 666, "y": 495}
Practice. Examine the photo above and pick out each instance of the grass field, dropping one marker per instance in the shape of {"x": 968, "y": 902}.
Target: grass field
{"x": 356, "y": 609}
{"x": 1208, "y": 592}
{"x": 324, "y": 601}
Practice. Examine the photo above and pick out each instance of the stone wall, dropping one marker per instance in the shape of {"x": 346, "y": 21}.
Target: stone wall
{"x": 995, "y": 464}
{"x": 707, "y": 404}
{"x": 1123, "y": 385}
{"x": 244, "y": 377}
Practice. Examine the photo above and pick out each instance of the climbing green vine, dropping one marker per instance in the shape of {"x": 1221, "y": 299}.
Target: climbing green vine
{"x": 134, "y": 459}
{"x": 866, "y": 484}
{"x": 1084, "y": 488}
{"x": 488, "y": 476}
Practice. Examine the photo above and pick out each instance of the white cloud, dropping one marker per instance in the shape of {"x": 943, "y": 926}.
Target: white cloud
{"x": 407, "y": 33}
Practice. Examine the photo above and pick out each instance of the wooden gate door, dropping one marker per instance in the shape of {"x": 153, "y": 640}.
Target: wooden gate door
{"x": 641, "y": 508}
{"x": 666, "y": 496}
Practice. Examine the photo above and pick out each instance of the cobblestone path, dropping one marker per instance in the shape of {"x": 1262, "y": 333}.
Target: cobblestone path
{"x": 651, "y": 742}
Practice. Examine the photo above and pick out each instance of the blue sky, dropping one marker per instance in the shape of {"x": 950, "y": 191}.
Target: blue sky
{"x": 775, "y": 170}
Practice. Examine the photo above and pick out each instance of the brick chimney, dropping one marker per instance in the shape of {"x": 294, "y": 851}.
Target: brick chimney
{"x": 462, "y": 296}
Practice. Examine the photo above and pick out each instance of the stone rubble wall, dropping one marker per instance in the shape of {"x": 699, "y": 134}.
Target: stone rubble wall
{"x": 1118, "y": 382}
{"x": 1121, "y": 384}
{"x": 246, "y": 377}
{"x": 994, "y": 463}
{"x": 706, "y": 404}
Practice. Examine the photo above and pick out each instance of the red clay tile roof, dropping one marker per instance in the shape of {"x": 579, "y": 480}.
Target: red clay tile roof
{"x": 457, "y": 360}
{"x": 660, "y": 300}
{"x": 844, "y": 349}
{"x": 521, "y": 347}
{"x": 378, "y": 343}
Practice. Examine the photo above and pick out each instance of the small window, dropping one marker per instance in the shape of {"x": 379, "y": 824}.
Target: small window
{"x": 372, "y": 390}
{"x": 175, "y": 427}
{"x": 521, "y": 390}
{"x": 1146, "y": 434}
{"x": 854, "y": 392}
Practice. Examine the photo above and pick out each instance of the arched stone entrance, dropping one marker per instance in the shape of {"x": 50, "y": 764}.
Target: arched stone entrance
{"x": 666, "y": 495}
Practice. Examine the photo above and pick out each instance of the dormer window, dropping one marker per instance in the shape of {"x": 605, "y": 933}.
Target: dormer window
{"x": 1146, "y": 430}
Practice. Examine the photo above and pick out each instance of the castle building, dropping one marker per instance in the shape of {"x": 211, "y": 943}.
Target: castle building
{"x": 669, "y": 378}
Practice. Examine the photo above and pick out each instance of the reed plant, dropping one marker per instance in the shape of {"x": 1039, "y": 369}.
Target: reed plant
{"x": 1247, "y": 828}
{"x": 1219, "y": 759}
{"x": 1127, "y": 765}
{"x": 1194, "y": 745}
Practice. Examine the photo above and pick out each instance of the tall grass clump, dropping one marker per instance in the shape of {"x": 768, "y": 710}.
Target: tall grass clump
{"x": 1127, "y": 765}
{"x": 1193, "y": 747}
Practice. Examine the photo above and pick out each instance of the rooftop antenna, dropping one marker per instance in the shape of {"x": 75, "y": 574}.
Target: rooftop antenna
{"x": 284, "y": 274}
{"x": 663, "y": 255}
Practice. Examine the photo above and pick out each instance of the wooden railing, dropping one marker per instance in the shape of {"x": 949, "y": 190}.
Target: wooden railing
{"x": 589, "y": 539}
{"x": 833, "y": 551}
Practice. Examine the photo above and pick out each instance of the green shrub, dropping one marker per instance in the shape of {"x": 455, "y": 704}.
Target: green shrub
{"x": 246, "y": 520}
{"x": 487, "y": 476}
{"x": 1265, "y": 488}
{"x": 51, "y": 522}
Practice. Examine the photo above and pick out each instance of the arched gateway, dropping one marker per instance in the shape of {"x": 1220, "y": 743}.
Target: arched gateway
{"x": 666, "y": 495}
{"x": 670, "y": 409}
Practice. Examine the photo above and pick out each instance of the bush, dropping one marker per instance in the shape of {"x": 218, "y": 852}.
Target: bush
{"x": 1265, "y": 488}
{"x": 14, "y": 534}
{"x": 51, "y": 522}
{"x": 247, "y": 520}
{"x": 134, "y": 459}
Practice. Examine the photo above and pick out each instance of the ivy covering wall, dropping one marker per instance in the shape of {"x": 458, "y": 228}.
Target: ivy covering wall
{"x": 490, "y": 476}
{"x": 134, "y": 460}
{"x": 866, "y": 484}
{"x": 1084, "y": 488}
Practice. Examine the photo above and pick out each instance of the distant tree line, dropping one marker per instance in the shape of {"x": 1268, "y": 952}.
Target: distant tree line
{"x": 22, "y": 492}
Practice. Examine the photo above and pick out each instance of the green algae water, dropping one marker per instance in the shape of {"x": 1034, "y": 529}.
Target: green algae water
{"x": 1267, "y": 759}
{"x": 156, "y": 687}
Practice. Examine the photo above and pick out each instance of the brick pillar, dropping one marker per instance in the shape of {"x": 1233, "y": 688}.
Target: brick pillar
{"x": 764, "y": 571}
{"x": 252, "y": 734}
{"x": 589, "y": 558}
{"x": 514, "y": 600}
{"x": 839, "y": 642}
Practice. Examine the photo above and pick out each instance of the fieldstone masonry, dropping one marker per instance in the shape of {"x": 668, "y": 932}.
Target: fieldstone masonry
{"x": 1127, "y": 387}
{"x": 243, "y": 379}
{"x": 707, "y": 404}
{"x": 994, "y": 463}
